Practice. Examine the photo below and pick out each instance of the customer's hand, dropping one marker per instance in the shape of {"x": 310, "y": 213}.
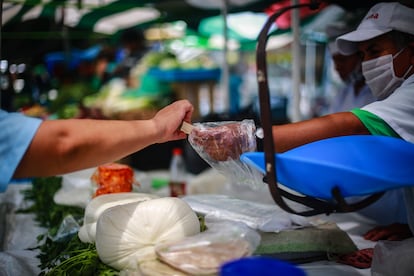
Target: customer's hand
{"x": 168, "y": 120}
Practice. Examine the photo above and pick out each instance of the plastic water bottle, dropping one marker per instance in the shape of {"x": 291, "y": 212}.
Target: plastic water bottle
{"x": 178, "y": 174}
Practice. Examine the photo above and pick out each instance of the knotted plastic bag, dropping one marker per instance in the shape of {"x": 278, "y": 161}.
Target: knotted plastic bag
{"x": 220, "y": 144}
{"x": 205, "y": 252}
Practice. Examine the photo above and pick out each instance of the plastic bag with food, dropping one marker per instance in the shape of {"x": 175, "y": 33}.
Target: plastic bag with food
{"x": 220, "y": 144}
{"x": 113, "y": 178}
{"x": 204, "y": 253}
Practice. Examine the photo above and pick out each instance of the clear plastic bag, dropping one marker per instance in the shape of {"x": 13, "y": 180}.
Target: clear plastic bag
{"x": 68, "y": 228}
{"x": 220, "y": 144}
{"x": 204, "y": 253}
{"x": 393, "y": 258}
{"x": 263, "y": 217}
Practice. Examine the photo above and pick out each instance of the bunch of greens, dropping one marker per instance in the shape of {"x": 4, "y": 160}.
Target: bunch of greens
{"x": 67, "y": 256}
{"x": 47, "y": 213}
{"x": 72, "y": 257}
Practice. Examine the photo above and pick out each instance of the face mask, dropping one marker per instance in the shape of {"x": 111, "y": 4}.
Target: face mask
{"x": 380, "y": 76}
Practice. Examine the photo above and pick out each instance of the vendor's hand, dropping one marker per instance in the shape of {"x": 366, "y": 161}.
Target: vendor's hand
{"x": 359, "y": 259}
{"x": 392, "y": 232}
{"x": 169, "y": 119}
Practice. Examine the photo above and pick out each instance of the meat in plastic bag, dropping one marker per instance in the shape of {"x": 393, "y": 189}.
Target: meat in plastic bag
{"x": 220, "y": 144}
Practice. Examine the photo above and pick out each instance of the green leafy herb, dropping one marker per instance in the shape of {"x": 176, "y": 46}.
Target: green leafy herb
{"x": 74, "y": 258}
{"x": 66, "y": 256}
{"x": 48, "y": 213}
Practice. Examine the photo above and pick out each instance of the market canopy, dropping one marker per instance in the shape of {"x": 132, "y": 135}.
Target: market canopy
{"x": 89, "y": 13}
{"x": 97, "y": 15}
{"x": 59, "y": 21}
{"x": 34, "y": 25}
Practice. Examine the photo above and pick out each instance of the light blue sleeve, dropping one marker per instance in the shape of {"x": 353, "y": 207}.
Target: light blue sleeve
{"x": 16, "y": 133}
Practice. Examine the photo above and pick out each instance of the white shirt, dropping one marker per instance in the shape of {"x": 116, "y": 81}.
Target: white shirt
{"x": 398, "y": 112}
{"x": 346, "y": 99}
{"x": 388, "y": 209}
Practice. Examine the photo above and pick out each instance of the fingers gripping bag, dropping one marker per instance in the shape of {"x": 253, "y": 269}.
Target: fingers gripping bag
{"x": 220, "y": 144}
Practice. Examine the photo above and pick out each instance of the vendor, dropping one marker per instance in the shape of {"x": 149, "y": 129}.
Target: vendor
{"x": 355, "y": 93}
{"x": 31, "y": 147}
{"x": 385, "y": 41}
{"x": 134, "y": 47}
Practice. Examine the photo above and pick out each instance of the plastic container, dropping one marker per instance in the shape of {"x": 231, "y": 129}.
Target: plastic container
{"x": 260, "y": 266}
{"x": 185, "y": 74}
{"x": 159, "y": 183}
{"x": 178, "y": 174}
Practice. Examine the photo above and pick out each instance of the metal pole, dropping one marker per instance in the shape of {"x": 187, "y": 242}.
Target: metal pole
{"x": 225, "y": 66}
{"x": 310, "y": 82}
{"x": 1, "y": 40}
{"x": 1, "y": 28}
{"x": 296, "y": 63}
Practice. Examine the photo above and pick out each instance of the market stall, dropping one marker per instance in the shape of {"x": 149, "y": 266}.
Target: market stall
{"x": 133, "y": 233}
{"x": 312, "y": 248}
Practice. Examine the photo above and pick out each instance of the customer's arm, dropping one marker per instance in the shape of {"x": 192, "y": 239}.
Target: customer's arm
{"x": 61, "y": 146}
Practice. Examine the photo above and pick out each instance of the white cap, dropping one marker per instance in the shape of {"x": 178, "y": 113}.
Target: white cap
{"x": 380, "y": 19}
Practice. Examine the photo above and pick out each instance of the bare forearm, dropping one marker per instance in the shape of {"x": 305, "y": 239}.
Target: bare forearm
{"x": 64, "y": 146}
{"x": 296, "y": 134}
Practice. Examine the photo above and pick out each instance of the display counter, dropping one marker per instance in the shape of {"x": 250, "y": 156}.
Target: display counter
{"x": 20, "y": 231}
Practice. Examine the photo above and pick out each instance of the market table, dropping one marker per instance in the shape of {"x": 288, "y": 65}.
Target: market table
{"x": 19, "y": 231}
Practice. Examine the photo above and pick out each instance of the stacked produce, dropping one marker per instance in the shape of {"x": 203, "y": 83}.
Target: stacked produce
{"x": 151, "y": 88}
{"x": 168, "y": 67}
{"x": 115, "y": 99}
{"x": 169, "y": 61}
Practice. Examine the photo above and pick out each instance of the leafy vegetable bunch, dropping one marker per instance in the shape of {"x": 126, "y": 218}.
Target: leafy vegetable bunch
{"x": 67, "y": 256}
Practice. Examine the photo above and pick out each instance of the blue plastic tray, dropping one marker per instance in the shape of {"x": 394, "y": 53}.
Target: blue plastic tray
{"x": 358, "y": 165}
{"x": 185, "y": 75}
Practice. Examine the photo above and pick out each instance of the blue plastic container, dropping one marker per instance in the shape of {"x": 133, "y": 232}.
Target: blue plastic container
{"x": 358, "y": 165}
{"x": 260, "y": 266}
{"x": 185, "y": 74}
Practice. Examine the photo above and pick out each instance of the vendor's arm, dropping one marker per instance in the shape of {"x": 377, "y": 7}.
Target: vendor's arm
{"x": 61, "y": 146}
{"x": 292, "y": 135}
